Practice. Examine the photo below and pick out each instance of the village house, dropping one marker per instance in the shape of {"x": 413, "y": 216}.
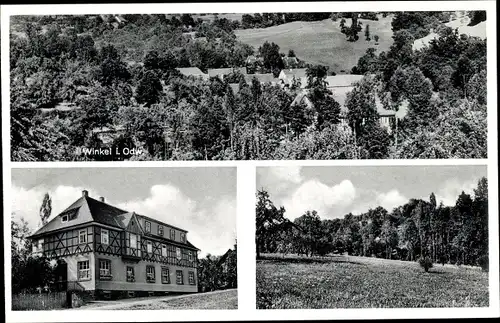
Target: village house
{"x": 225, "y": 262}
{"x": 192, "y": 71}
{"x": 287, "y": 76}
{"x": 221, "y": 72}
{"x": 107, "y": 251}
{"x": 262, "y": 78}
{"x": 340, "y": 86}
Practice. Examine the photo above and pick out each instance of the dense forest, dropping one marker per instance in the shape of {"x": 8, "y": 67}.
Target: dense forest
{"x": 445, "y": 234}
{"x": 122, "y": 75}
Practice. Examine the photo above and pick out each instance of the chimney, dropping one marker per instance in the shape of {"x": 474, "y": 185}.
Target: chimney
{"x": 85, "y": 193}
{"x": 101, "y": 199}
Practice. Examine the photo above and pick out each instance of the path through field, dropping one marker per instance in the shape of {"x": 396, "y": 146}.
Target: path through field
{"x": 359, "y": 282}
{"x": 225, "y": 299}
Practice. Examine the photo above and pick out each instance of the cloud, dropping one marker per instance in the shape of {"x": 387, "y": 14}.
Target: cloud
{"x": 289, "y": 173}
{"x": 391, "y": 199}
{"x": 314, "y": 195}
{"x": 27, "y": 203}
{"x": 211, "y": 223}
{"x": 451, "y": 189}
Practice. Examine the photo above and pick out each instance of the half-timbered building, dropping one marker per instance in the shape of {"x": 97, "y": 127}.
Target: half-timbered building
{"x": 107, "y": 250}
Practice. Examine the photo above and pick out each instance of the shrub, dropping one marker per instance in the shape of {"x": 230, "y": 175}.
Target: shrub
{"x": 425, "y": 263}
{"x": 484, "y": 263}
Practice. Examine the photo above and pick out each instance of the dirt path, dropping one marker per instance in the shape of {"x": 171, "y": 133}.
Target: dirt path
{"x": 119, "y": 304}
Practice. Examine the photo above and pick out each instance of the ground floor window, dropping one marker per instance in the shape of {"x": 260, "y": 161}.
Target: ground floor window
{"x": 165, "y": 275}
{"x": 130, "y": 274}
{"x": 104, "y": 269}
{"x": 191, "y": 278}
{"x": 150, "y": 274}
{"x": 179, "y": 277}
{"x": 83, "y": 270}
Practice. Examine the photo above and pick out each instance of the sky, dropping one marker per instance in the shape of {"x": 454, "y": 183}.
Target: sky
{"x": 335, "y": 191}
{"x": 200, "y": 200}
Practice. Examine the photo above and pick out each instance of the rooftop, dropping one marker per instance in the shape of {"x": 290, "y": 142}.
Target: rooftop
{"x": 224, "y": 71}
{"x": 87, "y": 210}
{"x": 191, "y": 71}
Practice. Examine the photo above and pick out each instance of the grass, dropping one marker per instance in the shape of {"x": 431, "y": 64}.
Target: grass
{"x": 321, "y": 42}
{"x": 221, "y": 301}
{"x": 358, "y": 282}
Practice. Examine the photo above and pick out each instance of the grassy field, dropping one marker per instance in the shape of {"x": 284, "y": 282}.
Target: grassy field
{"x": 358, "y": 282}
{"x": 224, "y": 300}
{"x": 321, "y": 42}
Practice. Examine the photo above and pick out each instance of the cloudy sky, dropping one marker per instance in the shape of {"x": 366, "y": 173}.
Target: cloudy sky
{"x": 336, "y": 191}
{"x": 199, "y": 200}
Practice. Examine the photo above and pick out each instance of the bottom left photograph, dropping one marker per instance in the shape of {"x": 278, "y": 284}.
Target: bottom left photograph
{"x": 123, "y": 238}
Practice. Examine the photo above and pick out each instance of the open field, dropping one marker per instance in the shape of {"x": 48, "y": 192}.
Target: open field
{"x": 225, "y": 300}
{"x": 359, "y": 282}
{"x": 321, "y": 42}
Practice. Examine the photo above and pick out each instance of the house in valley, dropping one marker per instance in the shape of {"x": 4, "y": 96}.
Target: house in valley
{"x": 221, "y": 72}
{"x": 287, "y": 76}
{"x": 107, "y": 251}
{"x": 193, "y": 71}
{"x": 340, "y": 86}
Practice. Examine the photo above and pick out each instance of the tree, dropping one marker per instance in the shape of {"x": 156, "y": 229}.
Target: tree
{"x": 112, "y": 68}
{"x": 268, "y": 219}
{"x": 360, "y": 103}
{"x": 376, "y": 37}
{"x": 45, "y": 209}
{"x": 291, "y": 53}
{"x": 271, "y": 57}
{"x": 149, "y": 89}
{"x": 367, "y": 33}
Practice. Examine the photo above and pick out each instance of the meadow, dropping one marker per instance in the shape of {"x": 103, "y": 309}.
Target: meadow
{"x": 359, "y": 282}
{"x": 321, "y": 42}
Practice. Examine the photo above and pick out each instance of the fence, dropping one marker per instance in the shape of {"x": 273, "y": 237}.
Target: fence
{"x": 36, "y": 302}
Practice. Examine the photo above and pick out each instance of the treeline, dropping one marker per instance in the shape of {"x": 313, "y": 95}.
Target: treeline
{"x": 444, "y": 234}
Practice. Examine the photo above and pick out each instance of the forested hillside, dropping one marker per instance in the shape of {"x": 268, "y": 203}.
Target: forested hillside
{"x": 73, "y": 76}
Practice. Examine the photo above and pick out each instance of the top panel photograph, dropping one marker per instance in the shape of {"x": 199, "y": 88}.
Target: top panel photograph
{"x": 241, "y": 86}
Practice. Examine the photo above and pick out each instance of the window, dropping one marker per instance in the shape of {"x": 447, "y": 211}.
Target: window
{"x": 150, "y": 274}
{"x": 183, "y": 237}
{"x": 148, "y": 226}
{"x": 130, "y": 274}
{"x": 191, "y": 278}
{"x": 190, "y": 255}
{"x": 82, "y": 236}
{"x": 149, "y": 247}
{"x": 178, "y": 253}
{"x": 165, "y": 275}
{"x": 64, "y": 218}
{"x": 172, "y": 234}
{"x": 164, "y": 250}
{"x": 104, "y": 237}
{"x": 133, "y": 241}
{"x": 178, "y": 277}
{"x": 83, "y": 270}
{"x": 160, "y": 230}
{"x": 40, "y": 244}
{"x": 104, "y": 269}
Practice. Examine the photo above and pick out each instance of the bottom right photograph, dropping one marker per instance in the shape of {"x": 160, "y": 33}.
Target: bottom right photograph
{"x": 371, "y": 237}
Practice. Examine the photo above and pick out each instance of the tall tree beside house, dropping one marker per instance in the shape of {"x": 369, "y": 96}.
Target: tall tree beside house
{"x": 367, "y": 33}
{"x": 268, "y": 218}
{"x": 270, "y": 53}
{"x": 45, "y": 209}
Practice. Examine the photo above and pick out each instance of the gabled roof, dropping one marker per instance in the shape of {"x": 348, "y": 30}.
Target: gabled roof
{"x": 262, "y": 78}
{"x": 295, "y": 72}
{"x": 225, "y": 71}
{"x": 235, "y": 87}
{"x": 191, "y": 71}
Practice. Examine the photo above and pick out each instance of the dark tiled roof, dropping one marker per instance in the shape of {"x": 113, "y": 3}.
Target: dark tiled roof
{"x": 104, "y": 213}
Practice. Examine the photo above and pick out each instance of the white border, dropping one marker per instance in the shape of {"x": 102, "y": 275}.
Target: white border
{"x": 246, "y": 172}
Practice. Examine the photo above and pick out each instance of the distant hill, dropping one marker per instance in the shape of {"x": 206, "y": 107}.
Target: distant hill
{"x": 461, "y": 23}
{"x": 321, "y": 42}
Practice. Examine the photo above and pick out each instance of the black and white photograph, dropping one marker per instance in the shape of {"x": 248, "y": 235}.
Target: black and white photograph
{"x": 248, "y": 86}
{"x": 123, "y": 238}
{"x": 372, "y": 237}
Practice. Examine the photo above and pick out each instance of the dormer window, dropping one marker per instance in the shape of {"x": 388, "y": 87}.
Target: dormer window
{"x": 64, "y": 218}
{"x": 160, "y": 230}
{"x": 183, "y": 237}
{"x": 148, "y": 226}
{"x": 172, "y": 234}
